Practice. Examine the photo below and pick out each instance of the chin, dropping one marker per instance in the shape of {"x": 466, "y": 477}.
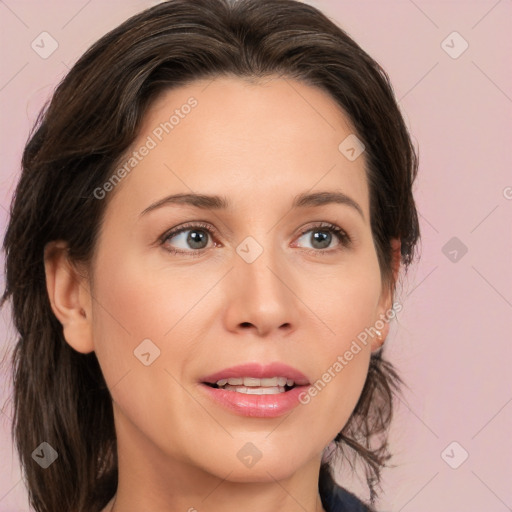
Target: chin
{"x": 275, "y": 464}
{"x": 261, "y": 473}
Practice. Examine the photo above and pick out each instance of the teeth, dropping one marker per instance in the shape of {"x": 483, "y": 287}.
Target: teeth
{"x": 256, "y": 390}
{"x": 254, "y": 382}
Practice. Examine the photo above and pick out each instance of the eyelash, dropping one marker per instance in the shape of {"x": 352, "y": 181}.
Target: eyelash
{"x": 339, "y": 233}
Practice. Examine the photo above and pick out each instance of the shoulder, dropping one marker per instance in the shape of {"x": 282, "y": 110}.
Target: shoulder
{"x": 338, "y": 499}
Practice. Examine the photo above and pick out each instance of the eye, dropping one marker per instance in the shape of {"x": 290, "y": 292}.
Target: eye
{"x": 192, "y": 237}
{"x": 322, "y": 236}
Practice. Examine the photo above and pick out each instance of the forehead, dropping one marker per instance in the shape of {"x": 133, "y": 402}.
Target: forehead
{"x": 249, "y": 140}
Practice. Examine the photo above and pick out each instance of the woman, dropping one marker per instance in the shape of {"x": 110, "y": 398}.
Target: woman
{"x": 202, "y": 255}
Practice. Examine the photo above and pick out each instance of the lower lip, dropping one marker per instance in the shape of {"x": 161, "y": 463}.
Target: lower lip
{"x": 258, "y": 406}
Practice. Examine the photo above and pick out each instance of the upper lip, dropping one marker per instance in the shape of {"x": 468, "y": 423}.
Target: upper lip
{"x": 259, "y": 371}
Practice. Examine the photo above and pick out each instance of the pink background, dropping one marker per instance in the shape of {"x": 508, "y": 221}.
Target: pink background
{"x": 452, "y": 341}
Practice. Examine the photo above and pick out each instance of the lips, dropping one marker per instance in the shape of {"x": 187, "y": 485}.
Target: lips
{"x": 258, "y": 371}
{"x": 249, "y": 390}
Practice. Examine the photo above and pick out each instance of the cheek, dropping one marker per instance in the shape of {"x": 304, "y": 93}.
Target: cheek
{"x": 142, "y": 301}
{"x": 346, "y": 298}
{"x": 135, "y": 302}
{"x": 348, "y": 308}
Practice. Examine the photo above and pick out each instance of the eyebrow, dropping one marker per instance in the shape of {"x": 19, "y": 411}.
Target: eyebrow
{"x": 214, "y": 202}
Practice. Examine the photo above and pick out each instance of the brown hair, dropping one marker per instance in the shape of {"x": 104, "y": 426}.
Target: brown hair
{"x": 60, "y": 395}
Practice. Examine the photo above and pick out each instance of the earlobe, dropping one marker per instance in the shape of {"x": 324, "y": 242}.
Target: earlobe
{"x": 69, "y": 295}
{"x": 378, "y": 340}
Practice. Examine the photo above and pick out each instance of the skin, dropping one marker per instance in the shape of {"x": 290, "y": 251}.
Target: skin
{"x": 258, "y": 144}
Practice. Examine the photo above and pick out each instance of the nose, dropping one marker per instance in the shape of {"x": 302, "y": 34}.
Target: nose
{"x": 261, "y": 295}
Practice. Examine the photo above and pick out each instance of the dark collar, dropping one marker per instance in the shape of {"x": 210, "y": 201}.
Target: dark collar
{"x": 336, "y": 499}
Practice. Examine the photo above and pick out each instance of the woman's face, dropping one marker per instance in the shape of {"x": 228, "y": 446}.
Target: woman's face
{"x": 259, "y": 281}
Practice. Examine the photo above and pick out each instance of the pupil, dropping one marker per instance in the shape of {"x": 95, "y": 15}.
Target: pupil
{"x": 195, "y": 237}
{"x": 324, "y": 235}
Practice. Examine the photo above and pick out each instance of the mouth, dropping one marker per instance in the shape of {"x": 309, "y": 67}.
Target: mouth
{"x": 257, "y": 379}
{"x": 256, "y": 390}
{"x": 254, "y": 386}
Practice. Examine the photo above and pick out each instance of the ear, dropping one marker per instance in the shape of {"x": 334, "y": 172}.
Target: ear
{"x": 69, "y": 296}
{"x": 386, "y": 298}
